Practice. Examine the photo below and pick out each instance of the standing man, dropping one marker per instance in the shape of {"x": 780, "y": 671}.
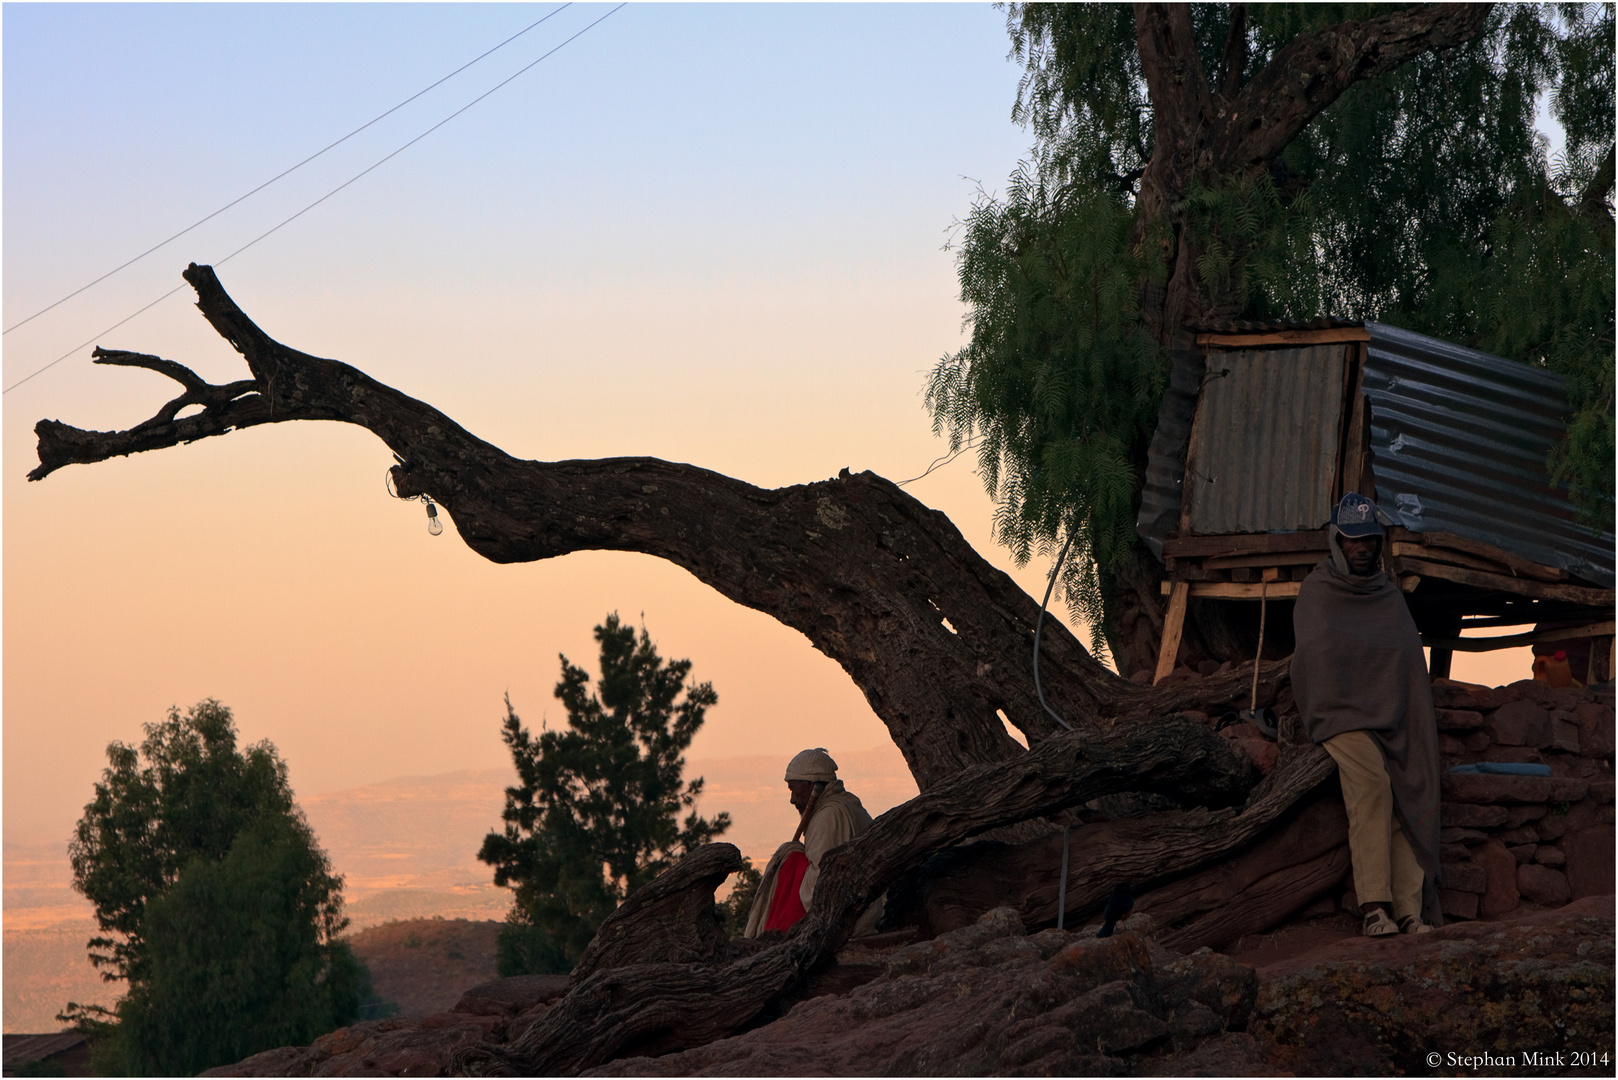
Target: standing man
{"x": 830, "y": 816}
{"x": 1362, "y": 687}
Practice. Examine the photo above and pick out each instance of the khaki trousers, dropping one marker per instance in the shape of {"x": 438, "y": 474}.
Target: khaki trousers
{"x": 1385, "y": 867}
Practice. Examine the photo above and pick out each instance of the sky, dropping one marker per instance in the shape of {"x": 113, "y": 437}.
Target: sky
{"x": 708, "y": 233}
{"x": 712, "y": 234}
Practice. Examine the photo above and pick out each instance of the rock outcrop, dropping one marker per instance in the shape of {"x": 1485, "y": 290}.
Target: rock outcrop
{"x": 1525, "y": 967}
{"x": 991, "y": 999}
{"x": 1541, "y": 984}
{"x": 494, "y": 1012}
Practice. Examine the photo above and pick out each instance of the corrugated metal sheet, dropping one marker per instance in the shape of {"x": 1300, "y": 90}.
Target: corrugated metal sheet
{"x": 1459, "y": 440}
{"x": 1264, "y": 444}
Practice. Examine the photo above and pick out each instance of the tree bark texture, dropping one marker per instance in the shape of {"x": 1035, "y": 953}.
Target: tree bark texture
{"x": 1290, "y": 819}
{"x": 670, "y": 919}
{"x": 862, "y": 569}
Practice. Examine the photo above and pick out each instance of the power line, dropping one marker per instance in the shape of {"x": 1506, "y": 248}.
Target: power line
{"x": 278, "y": 176}
{"x": 93, "y": 340}
{"x": 323, "y": 198}
{"x": 944, "y": 459}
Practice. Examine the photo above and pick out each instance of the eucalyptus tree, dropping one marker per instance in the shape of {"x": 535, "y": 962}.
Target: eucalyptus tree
{"x": 217, "y": 908}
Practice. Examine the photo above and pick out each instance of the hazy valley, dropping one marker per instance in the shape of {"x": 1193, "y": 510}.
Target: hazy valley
{"x": 407, "y": 848}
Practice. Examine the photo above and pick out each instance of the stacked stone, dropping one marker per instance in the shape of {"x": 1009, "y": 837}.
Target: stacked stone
{"x": 1543, "y": 839}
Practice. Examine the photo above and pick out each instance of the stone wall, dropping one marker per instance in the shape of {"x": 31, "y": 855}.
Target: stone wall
{"x": 1508, "y": 839}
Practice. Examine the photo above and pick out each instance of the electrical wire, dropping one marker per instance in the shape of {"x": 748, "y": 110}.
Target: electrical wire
{"x": 1040, "y": 625}
{"x": 943, "y": 459}
{"x": 279, "y": 175}
{"x": 323, "y": 198}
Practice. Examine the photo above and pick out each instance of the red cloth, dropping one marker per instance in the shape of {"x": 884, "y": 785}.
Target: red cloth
{"x": 785, "y": 907}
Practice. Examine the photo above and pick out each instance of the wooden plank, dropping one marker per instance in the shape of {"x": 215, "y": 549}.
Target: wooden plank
{"x": 1284, "y": 558}
{"x": 1494, "y": 622}
{"x": 1189, "y": 547}
{"x": 1574, "y": 594}
{"x": 1173, "y": 626}
{"x": 1445, "y": 555}
{"x": 1512, "y": 641}
{"x": 1236, "y": 590}
{"x": 1285, "y": 337}
{"x": 1516, "y": 563}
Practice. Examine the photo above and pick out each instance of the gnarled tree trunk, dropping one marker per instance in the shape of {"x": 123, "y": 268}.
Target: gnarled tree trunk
{"x": 866, "y": 572}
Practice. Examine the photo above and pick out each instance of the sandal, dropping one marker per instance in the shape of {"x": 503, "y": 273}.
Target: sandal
{"x": 1380, "y": 924}
{"x": 1412, "y": 924}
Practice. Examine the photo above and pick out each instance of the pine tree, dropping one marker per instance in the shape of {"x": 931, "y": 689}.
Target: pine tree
{"x": 596, "y": 813}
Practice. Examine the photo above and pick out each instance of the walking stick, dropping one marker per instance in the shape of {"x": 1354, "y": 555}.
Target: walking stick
{"x": 808, "y": 809}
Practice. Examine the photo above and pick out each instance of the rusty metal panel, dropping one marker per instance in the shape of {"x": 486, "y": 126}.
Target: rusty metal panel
{"x": 1264, "y": 443}
{"x": 1459, "y": 441}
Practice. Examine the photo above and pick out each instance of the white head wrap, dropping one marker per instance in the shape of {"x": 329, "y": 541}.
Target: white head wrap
{"x": 814, "y": 765}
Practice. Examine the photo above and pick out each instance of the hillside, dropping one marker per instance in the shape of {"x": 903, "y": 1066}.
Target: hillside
{"x": 422, "y": 966}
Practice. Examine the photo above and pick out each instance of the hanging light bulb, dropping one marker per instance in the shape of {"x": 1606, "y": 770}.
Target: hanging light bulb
{"x": 434, "y": 526}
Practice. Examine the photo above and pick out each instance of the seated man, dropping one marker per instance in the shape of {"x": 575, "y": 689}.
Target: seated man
{"x": 831, "y": 817}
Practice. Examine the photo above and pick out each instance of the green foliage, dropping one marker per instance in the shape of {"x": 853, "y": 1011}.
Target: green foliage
{"x": 596, "y": 813}
{"x": 1060, "y": 382}
{"x": 1422, "y": 198}
{"x": 226, "y": 910}
{"x": 242, "y": 958}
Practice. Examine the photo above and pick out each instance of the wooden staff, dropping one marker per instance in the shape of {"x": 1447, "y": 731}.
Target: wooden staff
{"x": 808, "y": 809}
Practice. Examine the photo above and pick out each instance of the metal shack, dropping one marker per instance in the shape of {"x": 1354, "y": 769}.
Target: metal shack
{"x": 1255, "y": 445}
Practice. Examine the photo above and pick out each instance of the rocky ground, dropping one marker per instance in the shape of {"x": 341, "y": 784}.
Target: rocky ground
{"x": 1525, "y": 968}
{"x": 993, "y": 999}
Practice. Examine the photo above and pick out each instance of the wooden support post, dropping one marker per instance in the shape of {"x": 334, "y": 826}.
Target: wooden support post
{"x": 1438, "y": 664}
{"x": 1173, "y": 625}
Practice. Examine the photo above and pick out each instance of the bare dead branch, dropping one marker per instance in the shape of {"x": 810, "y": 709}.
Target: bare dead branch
{"x": 865, "y": 571}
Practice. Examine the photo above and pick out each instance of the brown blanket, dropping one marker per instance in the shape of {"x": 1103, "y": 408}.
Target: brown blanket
{"x": 1359, "y": 667}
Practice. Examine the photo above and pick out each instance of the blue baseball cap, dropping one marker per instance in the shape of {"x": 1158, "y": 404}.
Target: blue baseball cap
{"x": 1357, "y": 517}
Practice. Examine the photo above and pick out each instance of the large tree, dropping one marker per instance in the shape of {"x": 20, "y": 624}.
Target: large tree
{"x": 596, "y": 810}
{"x": 1196, "y": 163}
{"x": 216, "y": 905}
{"x": 938, "y": 640}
